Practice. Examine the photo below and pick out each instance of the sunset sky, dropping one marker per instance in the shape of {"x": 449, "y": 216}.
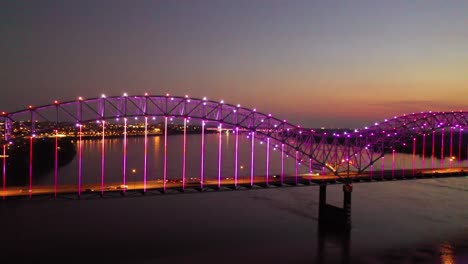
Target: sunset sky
{"x": 316, "y": 63}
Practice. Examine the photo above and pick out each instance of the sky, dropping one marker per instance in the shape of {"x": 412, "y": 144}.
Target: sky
{"x": 315, "y": 63}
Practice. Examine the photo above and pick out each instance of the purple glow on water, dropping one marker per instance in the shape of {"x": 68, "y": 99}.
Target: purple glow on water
{"x": 80, "y": 160}
{"x": 282, "y": 163}
{"x": 267, "y": 159}
{"x": 236, "y": 157}
{"x": 393, "y": 163}
{"x": 184, "y": 157}
{"x": 145, "y": 158}
{"x": 103, "y": 153}
{"x": 219, "y": 155}
{"x": 56, "y": 164}
{"x": 252, "y": 160}
{"x": 165, "y": 155}
{"x": 124, "y": 158}
{"x": 202, "y": 160}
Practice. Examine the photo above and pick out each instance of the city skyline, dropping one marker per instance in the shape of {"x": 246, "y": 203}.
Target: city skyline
{"x": 314, "y": 63}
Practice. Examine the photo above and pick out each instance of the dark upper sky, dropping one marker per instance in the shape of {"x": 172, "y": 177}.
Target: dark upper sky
{"x": 317, "y": 63}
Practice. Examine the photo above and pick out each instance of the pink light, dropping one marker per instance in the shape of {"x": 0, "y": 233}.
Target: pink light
{"x": 202, "y": 165}
{"x": 56, "y": 164}
{"x": 80, "y": 159}
{"x": 236, "y": 158}
{"x": 267, "y": 160}
{"x": 219, "y": 156}
{"x": 393, "y": 163}
{"x": 124, "y": 158}
{"x": 451, "y": 146}
{"x": 296, "y": 166}
{"x": 282, "y": 164}
{"x": 165, "y": 154}
{"x": 423, "y": 162}
{"x": 30, "y": 164}
{"x": 184, "y": 154}
{"x": 4, "y": 171}
{"x": 414, "y": 155}
{"x": 459, "y": 146}
{"x": 442, "y": 150}
{"x": 310, "y": 165}
{"x": 103, "y": 153}
{"x": 433, "y": 151}
{"x": 252, "y": 160}
{"x": 145, "y": 168}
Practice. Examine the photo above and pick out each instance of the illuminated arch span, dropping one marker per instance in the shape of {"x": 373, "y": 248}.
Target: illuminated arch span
{"x": 318, "y": 149}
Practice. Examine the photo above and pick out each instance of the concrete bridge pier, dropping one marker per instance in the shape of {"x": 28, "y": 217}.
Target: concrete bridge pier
{"x": 333, "y": 217}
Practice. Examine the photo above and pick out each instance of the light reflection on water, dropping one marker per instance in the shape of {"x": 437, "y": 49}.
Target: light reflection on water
{"x": 135, "y": 160}
{"x": 447, "y": 253}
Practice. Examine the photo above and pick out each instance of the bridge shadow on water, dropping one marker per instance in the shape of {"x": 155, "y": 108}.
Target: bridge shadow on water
{"x": 328, "y": 236}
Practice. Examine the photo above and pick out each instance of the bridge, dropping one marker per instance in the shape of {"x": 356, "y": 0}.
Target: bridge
{"x": 327, "y": 155}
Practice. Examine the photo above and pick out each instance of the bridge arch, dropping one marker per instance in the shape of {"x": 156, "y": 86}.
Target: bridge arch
{"x": 333, "y": 150}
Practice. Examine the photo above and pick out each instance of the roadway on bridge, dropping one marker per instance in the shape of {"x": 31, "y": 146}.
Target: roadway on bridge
{"x": 228, "y": 182}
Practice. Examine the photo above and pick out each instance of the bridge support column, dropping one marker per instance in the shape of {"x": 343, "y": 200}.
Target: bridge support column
{"x": 333, "y": 217}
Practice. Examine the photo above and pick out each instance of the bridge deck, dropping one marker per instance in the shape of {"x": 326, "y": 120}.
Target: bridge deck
{"x": 175, "y": 186}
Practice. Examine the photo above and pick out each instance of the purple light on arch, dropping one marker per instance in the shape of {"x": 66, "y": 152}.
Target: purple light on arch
{"x": 423, "y": 162}
{"x": 460, "y": 146}
{"x": 451, "y": 146}
{"x": 80, "y": 159}
{"x": 165, "y": 155}
{"x": 124, "y": 158}
{"x": 442, "y": 150}
{"x": 30, "y": 164}
{"x": 202, "y": 159}
{"x": 252, "y": 159}
{"x": 56, "y": 163}
{"x": 219, "y": 155}
{"x": 4, "y": 172}
{"x": 267, "y": 160}
{"x": 236, "y": 158}
{"x": 296, "y": 169}
{"x": 282, "y": 164}
{"x": 310, "y": 166}
{"x": 184, "y": 157}
{"x": 433, "y": 150}
{"x": 413, "y": 162}
{"x": 103, "y": 155}
{"x": 145, "y": 164}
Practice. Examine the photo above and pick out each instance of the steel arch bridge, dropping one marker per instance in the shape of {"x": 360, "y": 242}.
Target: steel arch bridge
{"x": 335, "y": 151}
